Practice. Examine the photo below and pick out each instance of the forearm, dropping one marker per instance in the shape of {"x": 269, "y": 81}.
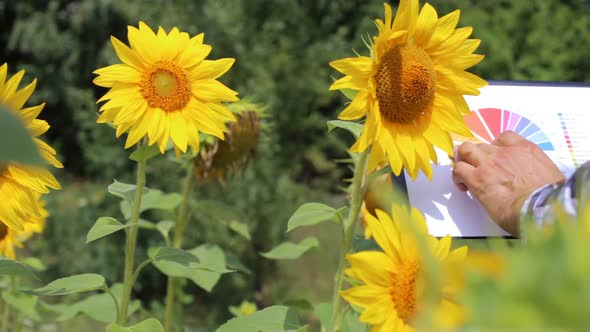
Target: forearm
{"x": 543, "y": 205}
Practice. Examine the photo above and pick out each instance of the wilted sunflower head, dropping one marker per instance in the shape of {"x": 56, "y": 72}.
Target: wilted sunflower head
{"x": 219, "y": 159}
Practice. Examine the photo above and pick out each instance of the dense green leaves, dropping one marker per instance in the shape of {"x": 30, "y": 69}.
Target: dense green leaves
{"x": 103, "y": 227}
{"x": 272, "y": 319}
{"x": 71, "y": 285}
{"x": 311, "y": 214}
{"x": 148, "y": 325}
{"x": 289, "y": 250}
{"x": 16, "y": 143}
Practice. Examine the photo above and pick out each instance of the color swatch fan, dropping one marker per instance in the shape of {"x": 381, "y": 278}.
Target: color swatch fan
{"x": 487, "y": 123}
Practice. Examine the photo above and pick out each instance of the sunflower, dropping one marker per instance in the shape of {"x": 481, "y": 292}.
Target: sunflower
{"x": 393, "y": 281}
{"x": 411, "y": 88}
{"x": 10, "y": 238}
{"x": 165, "y": 89}
{"x": 20, "y": 184}
{"x": 220, "y": 159}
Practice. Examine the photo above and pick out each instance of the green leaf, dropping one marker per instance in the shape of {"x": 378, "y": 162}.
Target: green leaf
{"x": 145, "y": 153}
{"x": 148, "y": 325}
{"x": 11, "y": 267}
{"x": 271, "y": 319}
{"x": 103, "y": 227}
{"x": 240, "y": 228}
{"x": 123, "y": 190}
{"x": 16, "y": 143}
{"x": 165, "y": 226}
{"x": 289, "y": 250}
{"x": 71, "y": 285}
{"x": 212, "y": 255}
{"x": 311, "y": 214}
{"x": 323, "y": 311}
{"x": 177, "y": 263}
{"x": 153, "y": 200}
{"x": 353, "y": 127}
{"x": 234, "y": 263}
{"x": 34, "y": 263}
{"x": 99, "y": 307}
{"x": 349, "y": 93}
{"x": 25, "y": 303}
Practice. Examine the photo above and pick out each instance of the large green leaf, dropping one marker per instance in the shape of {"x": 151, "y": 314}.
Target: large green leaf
{"x": 208, "y": 254}
{"x": 71, "y": 285}
{"x": 16, "y": 142}
{"x": 148, "y": 325}
{"x": 14, "y": 268}
{"x": 103, "y": 227}
{"x": 99, "y": 307}
{"x": 153, "y": 200}
{"x": 271, "y": 319}
{"x": 179, "y": 263}
{"x": 311, "y": 214}
{"x": 353, "y": 127}
{"x": 145, "y": 153}
{"x": 123, "y": 190}
{"x": 24, "y": 303}
{"x": 289, "y": 250}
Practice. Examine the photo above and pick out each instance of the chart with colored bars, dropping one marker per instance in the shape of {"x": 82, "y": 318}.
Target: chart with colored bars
{"x": 487, "y": 123}
{"x": 568, "y": 139}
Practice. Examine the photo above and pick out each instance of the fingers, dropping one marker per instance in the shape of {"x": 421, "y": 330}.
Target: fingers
{"x": 473, "y": 154}
{"x": 463, "y": 175}
{"x": 509, "y": 138}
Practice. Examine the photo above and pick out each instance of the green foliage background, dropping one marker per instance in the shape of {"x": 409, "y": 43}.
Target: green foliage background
{"x": 282, "y": 49}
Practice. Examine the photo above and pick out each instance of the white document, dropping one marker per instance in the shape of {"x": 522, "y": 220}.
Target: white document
{"x": 555, "y": 117}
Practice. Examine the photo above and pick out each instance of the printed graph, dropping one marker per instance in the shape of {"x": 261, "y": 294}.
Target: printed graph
{"x": 487, "y": 123}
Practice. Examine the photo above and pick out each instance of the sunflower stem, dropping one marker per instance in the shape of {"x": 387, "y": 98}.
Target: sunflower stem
{"x": 5, "y": 317}
{"x": 18, "y": 326}
{"x": 357, "y": 194}
{"x": 131, "y": 242}
{"x": 177, "y": 243}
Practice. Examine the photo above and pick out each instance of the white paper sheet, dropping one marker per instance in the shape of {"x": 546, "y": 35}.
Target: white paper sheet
{"x": 557, "y": 118}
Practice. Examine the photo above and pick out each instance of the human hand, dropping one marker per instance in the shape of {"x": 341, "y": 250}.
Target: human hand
{"x": 503, "y": 174}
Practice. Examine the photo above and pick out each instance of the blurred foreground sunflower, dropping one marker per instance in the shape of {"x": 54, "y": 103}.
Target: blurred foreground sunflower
{"x": 221, "y": 159}
{"x": 411, "y": 88}
{"x": 394, "y": 283}
{"x": 10, "y": 238}
{"x": 165, "y": 89}
{"x": 20, "y": 185}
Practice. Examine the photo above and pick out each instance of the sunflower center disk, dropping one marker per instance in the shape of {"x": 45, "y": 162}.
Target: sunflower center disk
{"x": 405, "y": 83}
{"x": 166, "y": 86}
{"x": 3, "y": 231}
{"x": 403, "y": 290}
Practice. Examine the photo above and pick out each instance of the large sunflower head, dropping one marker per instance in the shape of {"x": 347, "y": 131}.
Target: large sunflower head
{"x": 165, "y": 89}
{"x": 393, "y": 282}
{"x": 220, "y": 159}
{"x": 20, "y": 184}
{"x": 11, "y": 239}
{"x": 411, "y": 88}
